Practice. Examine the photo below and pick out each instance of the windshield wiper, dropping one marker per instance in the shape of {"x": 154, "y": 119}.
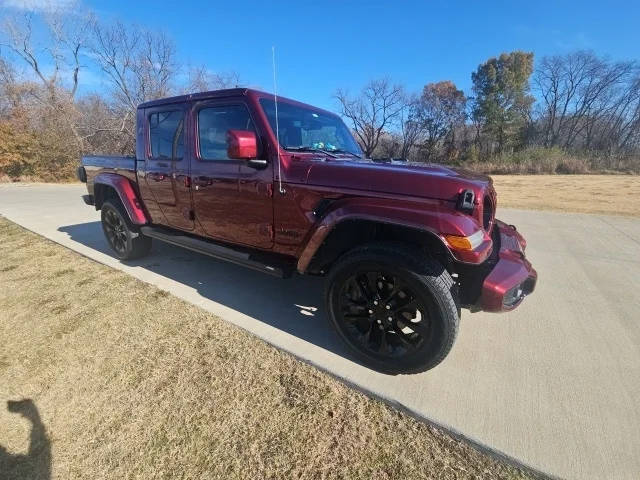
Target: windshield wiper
{"x": 339, "y": 150}
{"x": 311, "y": 149}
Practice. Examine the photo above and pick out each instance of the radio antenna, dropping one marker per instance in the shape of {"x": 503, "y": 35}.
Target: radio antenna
{"x": 275, "y": 100}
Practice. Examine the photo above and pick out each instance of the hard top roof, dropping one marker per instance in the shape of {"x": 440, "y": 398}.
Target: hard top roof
{"x": 228, "y": 92}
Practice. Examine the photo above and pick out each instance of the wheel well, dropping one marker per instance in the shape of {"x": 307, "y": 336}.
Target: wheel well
{"x": 352, "y": 233}
{"x": 102, "y": 192}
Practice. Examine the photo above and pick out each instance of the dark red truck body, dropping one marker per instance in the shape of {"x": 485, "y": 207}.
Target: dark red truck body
{"x": 305, "y": 209}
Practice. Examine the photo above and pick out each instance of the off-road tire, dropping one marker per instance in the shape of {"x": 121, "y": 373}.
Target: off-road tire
{"x": 133, "y": 243}
{"x": 428, "y": 279}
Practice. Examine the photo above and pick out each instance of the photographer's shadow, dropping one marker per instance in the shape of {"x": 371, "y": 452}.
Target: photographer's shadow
{"x": 36, "y": 464}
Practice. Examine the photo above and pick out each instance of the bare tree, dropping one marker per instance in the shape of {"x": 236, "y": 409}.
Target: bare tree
{"x": 628, "y": 130}
{"x": 103, "y": 128}
{"x": 114, "y": 49}
{"x": 140, "y": 66}
{"x": 72, "y": 34}
{"x": 7, "y": 86}
{"x": 580, "y": 93}
{"x": 67, "y": 37}
{"x": 201, "y": 79}
{"x": 155, "y": 66}
{"x": 42, "y": 101}
{"x": 376, "y": 108}
{"x": 389, "y": 146}
{"x": 440, "y": 109}
{"x": 411, "y": 126}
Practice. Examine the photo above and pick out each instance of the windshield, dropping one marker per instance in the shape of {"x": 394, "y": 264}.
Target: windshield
{"x": 304, "y": 128}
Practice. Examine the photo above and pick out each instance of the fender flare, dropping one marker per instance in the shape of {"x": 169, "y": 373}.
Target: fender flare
{"x": 126, "y": 193}
{"x": 433, "y": 218}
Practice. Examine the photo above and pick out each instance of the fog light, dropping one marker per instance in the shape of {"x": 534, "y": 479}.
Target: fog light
{"x": 513, "y": 296}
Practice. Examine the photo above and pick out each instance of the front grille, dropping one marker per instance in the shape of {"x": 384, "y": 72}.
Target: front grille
{"x": 487, "y": 213}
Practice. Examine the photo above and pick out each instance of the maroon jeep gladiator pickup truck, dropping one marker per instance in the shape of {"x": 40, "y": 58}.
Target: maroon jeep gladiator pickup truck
{"x": 403, "y": 246}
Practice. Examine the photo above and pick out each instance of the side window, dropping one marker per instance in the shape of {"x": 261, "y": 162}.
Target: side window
{"x": 213, "y": 124}
{"x": 166, "y": 134}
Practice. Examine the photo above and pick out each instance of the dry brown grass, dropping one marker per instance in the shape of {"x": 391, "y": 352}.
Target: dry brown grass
{"x": 606, "y": 194}
{"x": 131, "y": 382}
{"x": 544, "y": 161}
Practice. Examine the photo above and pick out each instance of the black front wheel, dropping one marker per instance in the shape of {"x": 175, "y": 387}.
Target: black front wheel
{"x": 123, "y": 237}
{"x": 394, "y": 307}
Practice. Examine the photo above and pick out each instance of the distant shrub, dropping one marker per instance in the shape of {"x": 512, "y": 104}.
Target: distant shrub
{"x": 37, "y": 155}
{"x": 540, "y": 160}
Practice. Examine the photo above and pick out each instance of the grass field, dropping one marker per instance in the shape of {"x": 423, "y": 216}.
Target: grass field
{"x": 606, "y": 194}
{"x": 127, "y": 381}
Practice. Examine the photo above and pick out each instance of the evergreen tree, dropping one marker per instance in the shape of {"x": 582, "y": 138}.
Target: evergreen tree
{"x": 502, "y": 102}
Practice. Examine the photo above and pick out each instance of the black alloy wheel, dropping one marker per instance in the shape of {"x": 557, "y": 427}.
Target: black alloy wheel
{"x": 115, "y": 231}
{"x": 394, "y": 306}
{"x": 124, "y": 238}
{"x": 382, "y": 314}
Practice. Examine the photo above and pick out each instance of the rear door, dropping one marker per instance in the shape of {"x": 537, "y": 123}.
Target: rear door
{"x": 167, "y": 167}
{"x": 232, "y": 201}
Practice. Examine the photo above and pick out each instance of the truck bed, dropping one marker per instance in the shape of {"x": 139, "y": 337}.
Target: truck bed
{"x": 96, "y": 164}
{"x": 109, "y": 162}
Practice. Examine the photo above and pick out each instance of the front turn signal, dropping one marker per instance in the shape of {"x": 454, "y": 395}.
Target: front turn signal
{"x": 465, "y": 243}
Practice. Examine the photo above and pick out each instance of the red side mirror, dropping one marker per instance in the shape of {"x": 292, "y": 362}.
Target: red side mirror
{"x": 242, "y": 144}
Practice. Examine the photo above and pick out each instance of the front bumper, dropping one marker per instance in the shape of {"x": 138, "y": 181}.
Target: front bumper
{"x": 512, "y": 277}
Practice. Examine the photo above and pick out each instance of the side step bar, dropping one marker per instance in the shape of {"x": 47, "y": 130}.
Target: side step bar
{"x": 215, "y": 250}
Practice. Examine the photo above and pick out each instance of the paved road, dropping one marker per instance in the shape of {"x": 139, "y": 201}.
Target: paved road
{"x": 555, "y": 384}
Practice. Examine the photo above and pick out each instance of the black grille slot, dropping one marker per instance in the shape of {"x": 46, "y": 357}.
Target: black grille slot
{"x": 487, "y": 213}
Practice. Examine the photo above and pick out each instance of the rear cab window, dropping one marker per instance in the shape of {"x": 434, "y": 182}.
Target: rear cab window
{"x": 166, "y": 135}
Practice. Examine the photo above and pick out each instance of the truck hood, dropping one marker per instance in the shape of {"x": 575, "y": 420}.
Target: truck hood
{"x": 398, "y": 178}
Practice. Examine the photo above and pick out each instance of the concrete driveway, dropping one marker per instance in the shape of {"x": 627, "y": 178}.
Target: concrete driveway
{"x": 555, "y": 384}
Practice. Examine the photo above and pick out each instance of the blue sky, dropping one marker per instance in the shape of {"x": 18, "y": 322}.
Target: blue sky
{"x": 321, "y": 46}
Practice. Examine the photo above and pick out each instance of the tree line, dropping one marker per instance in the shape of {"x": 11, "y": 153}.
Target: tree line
{"x": 576, "y": 107}
{"x": 45, "y": 125}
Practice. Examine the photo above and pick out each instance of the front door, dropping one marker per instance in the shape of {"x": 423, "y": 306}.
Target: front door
{"x": 232, "y": 201}
{"x": 167, "y": 168}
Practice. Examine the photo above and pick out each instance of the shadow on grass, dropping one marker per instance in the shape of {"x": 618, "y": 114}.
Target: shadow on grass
{"x": 293, "y": 305}
{"x": 36, "y": 464}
